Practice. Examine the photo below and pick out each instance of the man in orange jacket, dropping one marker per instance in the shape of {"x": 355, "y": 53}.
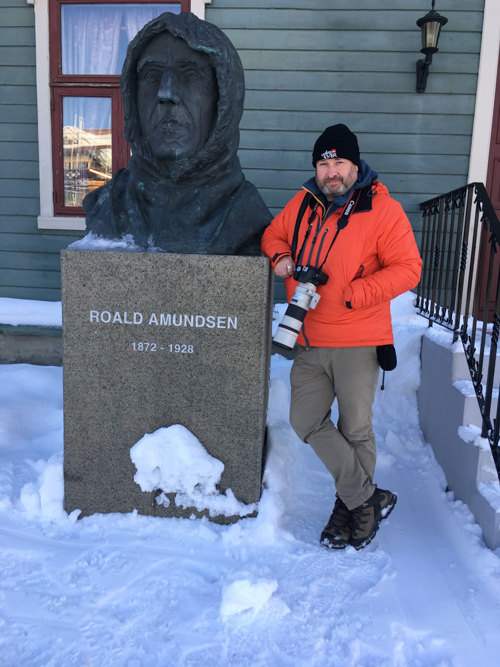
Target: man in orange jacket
{"x": 344, "y": 224}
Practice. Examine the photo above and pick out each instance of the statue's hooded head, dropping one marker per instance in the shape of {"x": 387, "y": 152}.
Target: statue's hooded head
{"x": 183, "y": 91}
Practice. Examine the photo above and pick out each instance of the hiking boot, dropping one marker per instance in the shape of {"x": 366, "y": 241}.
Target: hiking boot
{"x": 337, "y": 532}
{"x": 367, "y": 517}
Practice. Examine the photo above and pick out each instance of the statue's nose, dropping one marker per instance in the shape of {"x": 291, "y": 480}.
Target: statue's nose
{"x": 167, "y": 92}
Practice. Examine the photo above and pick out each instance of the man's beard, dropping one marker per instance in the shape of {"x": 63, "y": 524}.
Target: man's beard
{"x": 340, "y": 187}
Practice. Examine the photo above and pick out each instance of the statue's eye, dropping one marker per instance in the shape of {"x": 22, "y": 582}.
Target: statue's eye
{"x": 152, "y": 76}
{"x": 190, "y": 74}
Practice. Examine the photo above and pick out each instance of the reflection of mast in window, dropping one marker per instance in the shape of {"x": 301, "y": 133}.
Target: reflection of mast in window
{"x": 87, "y": 146}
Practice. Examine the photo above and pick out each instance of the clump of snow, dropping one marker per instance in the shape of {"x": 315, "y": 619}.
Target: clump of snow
{"x": 173, "y": 460}
{"x": 243, "y": 595}
{"x": 465, "y": 387}
{"x": 472, "y": 433}
{"x": 29, "y": 312}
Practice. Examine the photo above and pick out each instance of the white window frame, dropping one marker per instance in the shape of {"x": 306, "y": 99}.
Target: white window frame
{"x": 47, "y": 219}
{"x": 485, "y": 93}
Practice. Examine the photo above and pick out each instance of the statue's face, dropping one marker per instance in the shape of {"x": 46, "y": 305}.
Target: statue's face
{"x": 177, "y": 97}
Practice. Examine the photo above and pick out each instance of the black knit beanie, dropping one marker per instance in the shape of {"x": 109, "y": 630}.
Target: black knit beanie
{"x": 337, "y": 141}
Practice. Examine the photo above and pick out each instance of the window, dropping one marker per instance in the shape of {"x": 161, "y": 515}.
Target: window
{"x": 87, "y": 49}
{"x": 52, "y": 85}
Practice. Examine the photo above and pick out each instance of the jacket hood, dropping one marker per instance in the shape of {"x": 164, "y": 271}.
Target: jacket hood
{"x": 222, "y": 145}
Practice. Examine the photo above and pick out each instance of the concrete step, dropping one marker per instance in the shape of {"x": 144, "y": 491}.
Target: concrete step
{"x": 451, "y": 421}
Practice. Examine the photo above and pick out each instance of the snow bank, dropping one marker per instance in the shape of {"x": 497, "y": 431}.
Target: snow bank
{"x": 44, "y": 498}
{"x": 28, "y": 312}
{"x": 132, "y": 590}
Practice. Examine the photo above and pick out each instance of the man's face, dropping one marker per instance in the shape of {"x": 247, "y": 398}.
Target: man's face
{"x": 335, "y": 176}
{"x": 177, "y": 97}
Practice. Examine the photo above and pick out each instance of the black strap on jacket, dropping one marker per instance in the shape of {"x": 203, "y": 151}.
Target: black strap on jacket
{"x": 341, "y": 223}
{"x": 300, "y": 215}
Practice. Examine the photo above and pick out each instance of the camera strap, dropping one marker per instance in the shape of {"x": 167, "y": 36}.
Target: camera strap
{"x": 300, "y": 215}
{"x": 341, "y": 224}
{"x": 343, "y": 220}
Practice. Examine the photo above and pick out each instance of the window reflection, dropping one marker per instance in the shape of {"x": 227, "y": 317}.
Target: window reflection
{"x": 87, "y": 146}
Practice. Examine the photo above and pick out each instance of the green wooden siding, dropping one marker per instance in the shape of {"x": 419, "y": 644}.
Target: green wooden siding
{"x": 307, "y": 65}
{"x": 310, "y": 65}
{"x": 29, "y": 257}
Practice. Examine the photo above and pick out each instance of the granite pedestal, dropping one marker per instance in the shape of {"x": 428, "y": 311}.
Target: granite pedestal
{"x": 155, "y": 339}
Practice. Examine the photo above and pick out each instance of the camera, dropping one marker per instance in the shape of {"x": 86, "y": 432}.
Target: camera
{"x": 304, "y": 297}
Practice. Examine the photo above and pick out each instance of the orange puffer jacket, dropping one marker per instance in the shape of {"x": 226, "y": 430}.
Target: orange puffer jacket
{"x": 373, "y": 260}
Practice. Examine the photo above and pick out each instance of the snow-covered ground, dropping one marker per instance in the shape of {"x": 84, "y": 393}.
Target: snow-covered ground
{"x": 134, "y": 591}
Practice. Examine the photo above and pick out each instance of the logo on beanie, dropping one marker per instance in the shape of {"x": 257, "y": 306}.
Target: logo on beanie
{"x": 328, "y": 155}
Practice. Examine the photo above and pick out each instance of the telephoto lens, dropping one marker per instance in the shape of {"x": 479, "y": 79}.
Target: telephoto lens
{"x": 303, "y": 298}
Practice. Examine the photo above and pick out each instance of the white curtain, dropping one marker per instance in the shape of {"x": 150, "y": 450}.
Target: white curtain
{"x": 91, "y": 34}
{"x": 90, "y": 38}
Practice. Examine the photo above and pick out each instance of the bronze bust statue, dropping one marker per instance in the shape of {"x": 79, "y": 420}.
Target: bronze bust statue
{"x": 183, "y": 189}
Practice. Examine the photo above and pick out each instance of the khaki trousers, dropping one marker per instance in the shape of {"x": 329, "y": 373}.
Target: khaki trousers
{"x": 349, "y": 373}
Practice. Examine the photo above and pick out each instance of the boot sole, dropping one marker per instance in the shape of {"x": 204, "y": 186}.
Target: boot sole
{"x": 383, "y": 515}
{"x": 325, "y": 542}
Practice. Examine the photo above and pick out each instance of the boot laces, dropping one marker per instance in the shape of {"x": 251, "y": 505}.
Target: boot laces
{"x": 341, "y": 516}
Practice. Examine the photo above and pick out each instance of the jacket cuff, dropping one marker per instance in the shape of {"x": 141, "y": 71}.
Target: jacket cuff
{"x": 277, "y": 257}
{"x": 348, "y": 296}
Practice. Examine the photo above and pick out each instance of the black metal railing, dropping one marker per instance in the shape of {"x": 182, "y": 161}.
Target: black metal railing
{"x": 460, "y": 287}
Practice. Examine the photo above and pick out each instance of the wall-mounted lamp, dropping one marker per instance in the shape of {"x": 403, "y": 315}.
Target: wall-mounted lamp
{"x": 430, "y": 24}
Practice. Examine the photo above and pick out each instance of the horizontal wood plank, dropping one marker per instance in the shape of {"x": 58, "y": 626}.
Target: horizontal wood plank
{"x": 19, "y": 206}
{"x": 18, "y": 16}
{"x": 17, "y": 113}
{"x": 21, "y": 36}
{"x": 339, "y": 82}
{"x": 321, "y": 40}
{"x": 386, "y": 123}
{"x": 399, "y": 102}
{"x": 35, "y": 291}
{"x": 355, "y": 61}
{"x": 18, "y": 189}
{"x": 409, "y": 183}
{"x": 402, "y": 163}
{"x": 445, "y": 6}
{"x": 18, "y": 169}
{"x": 18, "y": 224}
{"x": 370, "y": 142}
{"x": 341, "y": 20}
{"x": 17, "y": 55}
{"x": 10, "y": 150}
{"x": 18, "y": 132}
{"x": 32, "y": 261}
{"x": 21, "y": 75}
{"x": 40, "y": 242}
{"x": 24, "y": 278}
{"x": 18, "y": 94}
